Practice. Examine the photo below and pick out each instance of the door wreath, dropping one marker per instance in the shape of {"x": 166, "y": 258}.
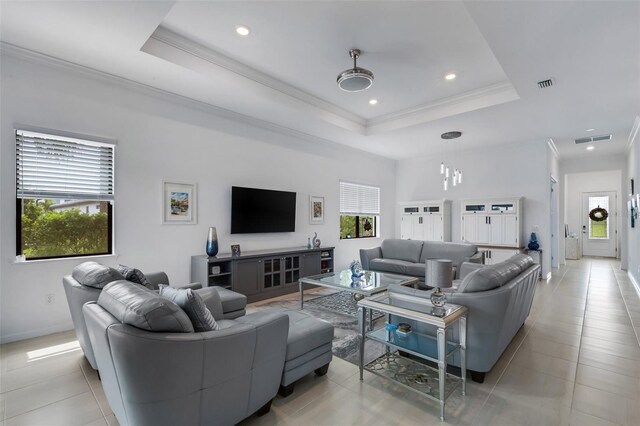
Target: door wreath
{"x": 598, "y": 214}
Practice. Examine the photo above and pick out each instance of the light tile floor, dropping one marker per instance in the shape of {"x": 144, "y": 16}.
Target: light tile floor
{"x": 576, "y": 361}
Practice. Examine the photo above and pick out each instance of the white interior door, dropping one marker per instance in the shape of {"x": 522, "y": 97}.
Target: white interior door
{"x": 599, "y": 233}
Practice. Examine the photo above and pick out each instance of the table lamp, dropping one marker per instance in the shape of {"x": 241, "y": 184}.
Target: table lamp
{"x": 439, "y": 274}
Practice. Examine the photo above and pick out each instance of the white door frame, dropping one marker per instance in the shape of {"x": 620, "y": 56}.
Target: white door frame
{"x": 555, "y": 225}
{"x": 611, "y": 250}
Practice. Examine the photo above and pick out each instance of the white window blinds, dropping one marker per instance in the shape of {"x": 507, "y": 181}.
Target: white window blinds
{"x": 356, "y": 199}
{"x": 49, "y": 166}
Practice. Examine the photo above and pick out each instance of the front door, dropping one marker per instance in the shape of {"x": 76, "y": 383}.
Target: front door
{"x": 599, "y": 234}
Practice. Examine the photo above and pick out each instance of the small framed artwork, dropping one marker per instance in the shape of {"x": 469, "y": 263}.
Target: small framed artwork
{"x": 316, "y": 210}
{"x": 179, "y": 203}
{"x": 235, "y": 249}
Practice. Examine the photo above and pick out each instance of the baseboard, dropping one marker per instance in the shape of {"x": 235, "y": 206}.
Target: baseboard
{"x": 635, "y": 283}
{"x": 36, "y": 333}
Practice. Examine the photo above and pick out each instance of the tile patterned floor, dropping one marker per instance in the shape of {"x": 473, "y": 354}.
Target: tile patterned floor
{"x": 576, "y": 361}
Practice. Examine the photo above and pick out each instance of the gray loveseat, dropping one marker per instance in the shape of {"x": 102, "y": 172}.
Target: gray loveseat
{"x": 408, "y": 257}
{"x": 499, "y": 299}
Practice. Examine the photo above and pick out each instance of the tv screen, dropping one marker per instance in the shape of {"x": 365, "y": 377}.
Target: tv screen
{"x": 262, "y": 210}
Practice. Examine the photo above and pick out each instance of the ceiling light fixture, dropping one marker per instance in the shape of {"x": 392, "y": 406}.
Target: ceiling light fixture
{"x": 243, "y": 30}
{"x": 373, "y": 101}
{"x": 355, "y": 79}
{"x": 450, "y": 76}
{"x": 590, "y": 130}
{"x": 591, "y": 148}
{"x": 456, "y": 179}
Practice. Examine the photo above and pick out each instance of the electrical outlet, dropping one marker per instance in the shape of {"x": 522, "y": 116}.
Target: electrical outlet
{"x": 50, "y": 298}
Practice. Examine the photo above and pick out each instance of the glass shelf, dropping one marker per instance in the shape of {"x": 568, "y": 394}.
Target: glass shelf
{"x": 418, "y": 344}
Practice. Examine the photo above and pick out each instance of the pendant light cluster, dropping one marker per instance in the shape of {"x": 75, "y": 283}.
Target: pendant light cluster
{"x": 454, "y": 178}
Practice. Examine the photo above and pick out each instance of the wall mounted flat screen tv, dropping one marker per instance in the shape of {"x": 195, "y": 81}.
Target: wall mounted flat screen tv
{"x": 262, "y": 210}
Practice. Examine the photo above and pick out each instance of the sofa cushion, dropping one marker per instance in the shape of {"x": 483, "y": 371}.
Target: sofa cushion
{"x": 408, "y": 250}
{"x": 135, "y": 305}
{"x": 93, "y": 274}
{"x": 135, "y": 276}
{"x": 393, "y": 266}
{"x": 192, "y": 304}
{"x": 456, "y": 252}
{"x": 489, "y": 277}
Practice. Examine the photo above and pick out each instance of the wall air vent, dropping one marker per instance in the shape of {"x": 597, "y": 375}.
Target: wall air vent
{"x": 545, "y": 83}
{"x": 593, "y": 139}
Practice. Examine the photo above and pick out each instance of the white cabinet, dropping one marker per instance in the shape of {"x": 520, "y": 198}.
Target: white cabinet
{"x": 425, "y": 220}
{"x": 497, "y": 255}
{"x": 492, "y": 222}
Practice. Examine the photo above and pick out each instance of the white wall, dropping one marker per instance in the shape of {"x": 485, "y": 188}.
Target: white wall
{"x": 633, "y": 234}
{"x": 518, "y": 170}
{"x": 163, "y": 138}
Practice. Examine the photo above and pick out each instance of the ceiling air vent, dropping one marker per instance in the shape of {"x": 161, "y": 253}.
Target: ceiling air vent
{"x": 593, "y": 139}
{"x": 545, "y": 83}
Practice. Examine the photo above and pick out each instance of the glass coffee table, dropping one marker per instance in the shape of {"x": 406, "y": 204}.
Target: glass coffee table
{"x": 369, "y": 284}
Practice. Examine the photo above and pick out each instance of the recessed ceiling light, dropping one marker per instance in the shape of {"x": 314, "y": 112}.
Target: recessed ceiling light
{"x": 591, "y": 148}
{"x": 450, "y": 76}
{"x": 243, "y": 30}
{"x": 589, "y": 130}
{"x": 373, "y": 101}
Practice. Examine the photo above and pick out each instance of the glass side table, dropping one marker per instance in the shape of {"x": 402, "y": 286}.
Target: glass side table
{"x": 434, "y": 383}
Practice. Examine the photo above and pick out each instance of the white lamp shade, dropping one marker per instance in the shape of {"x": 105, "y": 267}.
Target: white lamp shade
{"x": 439, "y": 273}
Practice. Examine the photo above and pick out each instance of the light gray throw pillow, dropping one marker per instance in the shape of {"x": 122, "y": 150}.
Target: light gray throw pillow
{"x": 135, "y": 305}
{"x": 193, "y": 305}
{"x": 93, "y": 274}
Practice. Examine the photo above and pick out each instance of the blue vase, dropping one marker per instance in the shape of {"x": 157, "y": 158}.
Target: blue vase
{"x": 533, "y": 242}
{"x": 212, "y": 242}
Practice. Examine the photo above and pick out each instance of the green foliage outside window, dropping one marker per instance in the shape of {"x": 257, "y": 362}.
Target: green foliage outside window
{"x": 357, "y": 226}
{"x": 50, "y": 233}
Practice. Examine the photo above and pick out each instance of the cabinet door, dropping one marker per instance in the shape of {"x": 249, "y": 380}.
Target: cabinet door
{"x": 272, "y": 273}
{"x": 500, "y": 255}
{"x": 247, "y": 277}
{"x": 470, "y": 227}
{"x": 406, "y": 227}
{"x": 484, "y": 229}
{"x": 496, "y": 230}
{"x": 310, "y": 264}
{"x": 418, "y": 228}
{"x": 510, "y": 230}
{"x": 433, "y": 227}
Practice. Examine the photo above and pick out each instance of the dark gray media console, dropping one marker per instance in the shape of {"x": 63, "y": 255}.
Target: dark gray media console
{"x": 262, "y": 274}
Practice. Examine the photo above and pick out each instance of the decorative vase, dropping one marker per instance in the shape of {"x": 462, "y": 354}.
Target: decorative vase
{"x": 356, "y": 270}
{"x": 533, "y": 242}
{"x": 212, "y": 242}
{"x": 309, "y": 243}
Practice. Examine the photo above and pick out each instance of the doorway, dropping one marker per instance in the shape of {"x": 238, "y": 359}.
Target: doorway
{"x": 599, "y": 224}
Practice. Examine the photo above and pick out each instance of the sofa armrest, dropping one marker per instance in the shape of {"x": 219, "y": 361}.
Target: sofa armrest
{"x": 476, "y": 258}
{"x": 369, "y": 254}
{"x": 157, "y": 278}
{"x": 468, "y": 267}
{"x": 192, "y": 286}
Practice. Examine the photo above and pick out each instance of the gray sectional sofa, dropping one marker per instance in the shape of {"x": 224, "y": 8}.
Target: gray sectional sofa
{"x": 408, "y": 257}
{"x": 499, "y": 300}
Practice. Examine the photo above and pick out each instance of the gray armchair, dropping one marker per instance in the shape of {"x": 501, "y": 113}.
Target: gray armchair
{"x": 233, "y": 304}
{"x": 214, "y": 378}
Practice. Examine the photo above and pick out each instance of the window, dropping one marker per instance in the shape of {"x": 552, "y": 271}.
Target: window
{"x": 64, "y": 196}
{"x": 359, "y": 210}
{"x": 598, "y": 218}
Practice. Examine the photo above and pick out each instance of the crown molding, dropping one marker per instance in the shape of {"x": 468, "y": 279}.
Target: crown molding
{"x": 163, "y": 38}
{"x": 480, "y": 98}
{"x": 634, "y": 132}
{"x": 37, "y": 58}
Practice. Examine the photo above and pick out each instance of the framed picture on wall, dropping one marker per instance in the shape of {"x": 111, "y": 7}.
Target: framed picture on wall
{"x": 316, "y": 210}
{"x": 179, "y": 203}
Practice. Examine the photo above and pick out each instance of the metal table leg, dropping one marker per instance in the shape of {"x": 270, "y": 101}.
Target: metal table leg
{"x": 463, "y": 353}
{"x": 362, "y": 324}
{"x": 442, "y": 367}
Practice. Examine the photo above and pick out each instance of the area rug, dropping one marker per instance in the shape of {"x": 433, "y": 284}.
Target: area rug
{"x": 342, "y": 302}
{"x": 346, "y": 340}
